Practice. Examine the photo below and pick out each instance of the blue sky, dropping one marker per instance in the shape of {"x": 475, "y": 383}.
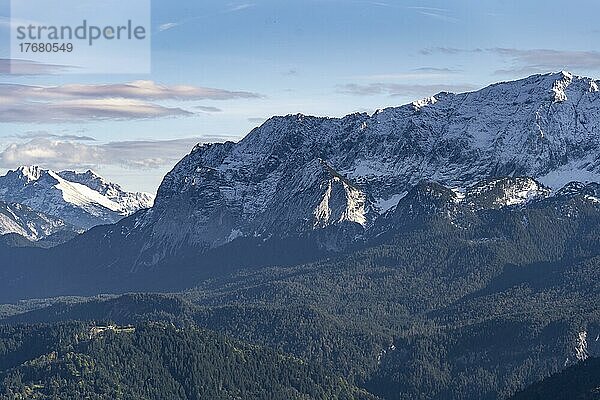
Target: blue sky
{"x": 270, "y": 57}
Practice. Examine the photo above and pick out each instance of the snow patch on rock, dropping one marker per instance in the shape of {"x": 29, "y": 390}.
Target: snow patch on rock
{"x": 383, "y": 205}
{"x": 417, "y": 105}
{"x": 581, "y": 347}
{"x": 560, "y": 86}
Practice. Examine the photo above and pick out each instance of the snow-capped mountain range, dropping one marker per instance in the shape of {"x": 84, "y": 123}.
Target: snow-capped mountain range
{"x": 82, "y": 200}
{"x": 299, "y": 174}
{"x": 333, "y": 178}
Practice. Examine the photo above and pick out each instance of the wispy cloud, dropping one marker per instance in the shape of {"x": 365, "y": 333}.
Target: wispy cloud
{"x": 61, "y": 154}
{"x": 8, "y": 22}
{"x": 400, "y": 89}
{"x": 239, "y": 7}
{"x": 530, "y": 61}
{"x": 437, "y": 70}
{"x": 49, "y": 135}
{"x": 82, "y": 110}
{"x": 79, "y": 102}
{"x": 430, "y": 9}
{"x": 208, "y": 109}
{"x": 436, "y": 13}
{"x": 140, "y": 90}
{"x": 379, "y": 4}
{"x": 28, "y": 67}
{"x": 416, "y": 73}
{"x": 231, "y": 8}
{"x": 257, "y": 120}
{"x": 167, "y": 26}
{"x": 445, "y": 50}
{"x": 544, "y": 60}
{"x": 442, "y": 14}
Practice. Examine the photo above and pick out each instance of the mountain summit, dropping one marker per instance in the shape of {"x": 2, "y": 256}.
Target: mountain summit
{"x": 80, "y": 199}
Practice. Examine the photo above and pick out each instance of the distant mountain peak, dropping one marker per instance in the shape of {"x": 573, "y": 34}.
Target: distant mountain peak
{"x": 30, "y": 173}
{"x": 81, "y": 199}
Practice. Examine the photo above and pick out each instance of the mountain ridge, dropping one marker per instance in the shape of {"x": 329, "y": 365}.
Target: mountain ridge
{"x": 80, "y": 199}
{"x": 543, "y": 126}
{"x": 16, "y": 218}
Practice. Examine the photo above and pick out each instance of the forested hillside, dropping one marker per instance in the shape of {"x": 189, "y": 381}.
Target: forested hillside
{"x": 153, "y": 361}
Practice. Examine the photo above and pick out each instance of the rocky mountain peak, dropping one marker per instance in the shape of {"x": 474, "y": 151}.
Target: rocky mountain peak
{"x": 80, "y": 199}
{"x": 28, "y": 173}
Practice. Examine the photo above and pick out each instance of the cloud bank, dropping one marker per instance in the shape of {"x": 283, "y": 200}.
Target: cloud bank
{"x": 401, "y": 89}
{"x": 64, "y": 154}
{"x": 531, "y": 61}
{"x": 79, "y": 102}
{"x": 28, "y": 67}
